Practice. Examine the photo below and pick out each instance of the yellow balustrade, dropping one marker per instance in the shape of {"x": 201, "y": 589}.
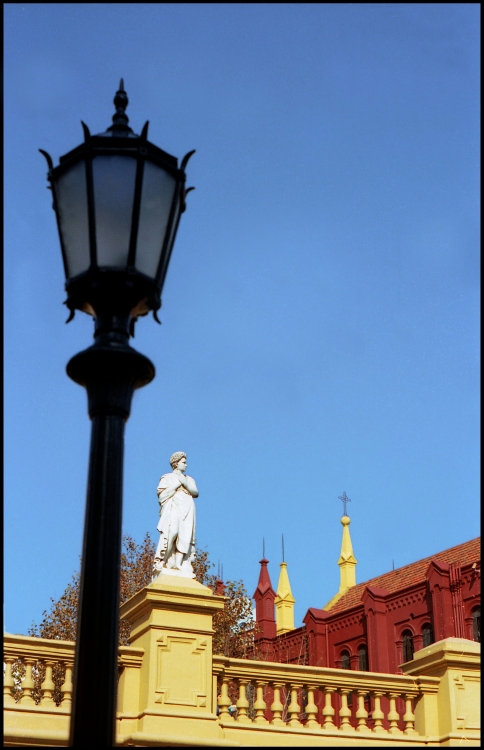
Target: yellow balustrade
{"x": 31, "y": 716}
{"x": 174, "y": 691}
{"x": 332, "y": 687}
{"x": 31, "y": 713}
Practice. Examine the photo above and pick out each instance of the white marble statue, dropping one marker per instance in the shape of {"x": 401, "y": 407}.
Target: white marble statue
{"x": 176, "y": 546}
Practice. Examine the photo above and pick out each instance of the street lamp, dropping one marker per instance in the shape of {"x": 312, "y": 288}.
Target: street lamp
{"x": 118, "y": 200}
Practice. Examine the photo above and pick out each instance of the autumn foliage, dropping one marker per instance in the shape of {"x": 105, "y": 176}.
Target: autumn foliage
{"x": 233, "y": 626}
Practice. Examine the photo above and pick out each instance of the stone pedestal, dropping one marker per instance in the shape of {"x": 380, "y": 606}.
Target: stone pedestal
{"x": 171, "y": 622}
{"x": 454, "y": 713}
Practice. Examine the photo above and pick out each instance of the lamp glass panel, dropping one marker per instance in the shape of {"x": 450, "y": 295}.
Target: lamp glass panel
{"x": 114, "y": 182}
{"x": 72, "y": 213}
{"x": 166, "y": 259}
{"x": 156, "y": 200}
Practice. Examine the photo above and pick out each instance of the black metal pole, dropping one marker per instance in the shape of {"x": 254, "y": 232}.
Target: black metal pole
{"x": 94, "y": 695}
{"x": 110, "y": 370}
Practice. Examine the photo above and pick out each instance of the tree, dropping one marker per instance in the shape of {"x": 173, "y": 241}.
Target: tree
{"x": 136, "y": 570}
{"x": 234, "y": 625}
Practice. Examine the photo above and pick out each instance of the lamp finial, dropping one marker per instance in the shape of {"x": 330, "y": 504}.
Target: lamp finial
{"x": 120, "y": 118}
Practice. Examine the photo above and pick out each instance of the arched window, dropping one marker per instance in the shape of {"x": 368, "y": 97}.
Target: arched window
{"x": 427, "y": 635}
{"x": 345, "y": 660}
{"x": 407, "y": 639}
{"x": 363, "y": 658}
{"x": 476, "y": 624}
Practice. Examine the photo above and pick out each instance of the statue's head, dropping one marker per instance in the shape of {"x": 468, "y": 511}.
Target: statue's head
{"x": 176, "y": 458}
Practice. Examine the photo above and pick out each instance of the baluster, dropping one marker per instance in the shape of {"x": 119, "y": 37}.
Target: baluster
{"x": 393, "y": 715}
{"x": 409, "y": 716}
{"x": 224, "y": 701}
{"x": 362, "y": 713}
{"x": 277, "y": 708}
{"x": 38, "y": 676}
{"x": 294, "y": 708}
{"x": 345, "y": 712}
{"x": 243, "y": 703}
{"x": 328, "y": 710}
{"x": 311, "y": 709}
{"x": 8, "y": 682}
{"x": 67, "y": 688}
{"x": 28, "y": 683}
{"x": 377, "y": 715}
{"x": 260, "y": 704}
{"x": 48, "y": 686}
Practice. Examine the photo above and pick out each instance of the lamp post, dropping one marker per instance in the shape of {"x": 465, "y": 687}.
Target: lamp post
{"x": 118, "y": 200}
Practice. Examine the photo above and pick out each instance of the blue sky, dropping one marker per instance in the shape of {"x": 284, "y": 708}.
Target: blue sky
{"x": 321, "y": 311}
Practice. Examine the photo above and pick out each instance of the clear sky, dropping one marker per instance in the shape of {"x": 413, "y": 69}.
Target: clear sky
{"x": 320, "y": 315}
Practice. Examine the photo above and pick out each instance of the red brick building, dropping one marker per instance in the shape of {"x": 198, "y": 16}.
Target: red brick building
{"x": 378, "y": 624}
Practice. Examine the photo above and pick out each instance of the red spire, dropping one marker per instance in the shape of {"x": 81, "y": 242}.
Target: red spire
{"x": 264, "y": 596}
{"x": 264, "y": 583}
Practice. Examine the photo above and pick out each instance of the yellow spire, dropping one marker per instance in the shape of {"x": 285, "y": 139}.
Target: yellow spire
{"x": 347, "y": 564}
{"x": 284, "y": 603}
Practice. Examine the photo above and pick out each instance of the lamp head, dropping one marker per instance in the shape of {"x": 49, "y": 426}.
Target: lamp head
{"x": 118, "y": 200}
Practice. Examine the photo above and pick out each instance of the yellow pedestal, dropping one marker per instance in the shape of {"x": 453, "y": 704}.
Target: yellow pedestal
{"x": 171, "y": 624}
{"x": 454, "y": 713}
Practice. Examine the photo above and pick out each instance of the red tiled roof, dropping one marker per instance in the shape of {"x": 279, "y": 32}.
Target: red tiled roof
{"x": 400, "y": 578}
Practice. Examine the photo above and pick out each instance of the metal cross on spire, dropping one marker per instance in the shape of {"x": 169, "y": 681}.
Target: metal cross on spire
{"x": 344, "y": 499}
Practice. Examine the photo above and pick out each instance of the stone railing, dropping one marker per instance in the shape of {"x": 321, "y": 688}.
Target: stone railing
{"x": 37, "y": 691}
{"x": 173, "y": 691}
{"x": 34, "y": 670}
{"x": 316, "y": 698}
